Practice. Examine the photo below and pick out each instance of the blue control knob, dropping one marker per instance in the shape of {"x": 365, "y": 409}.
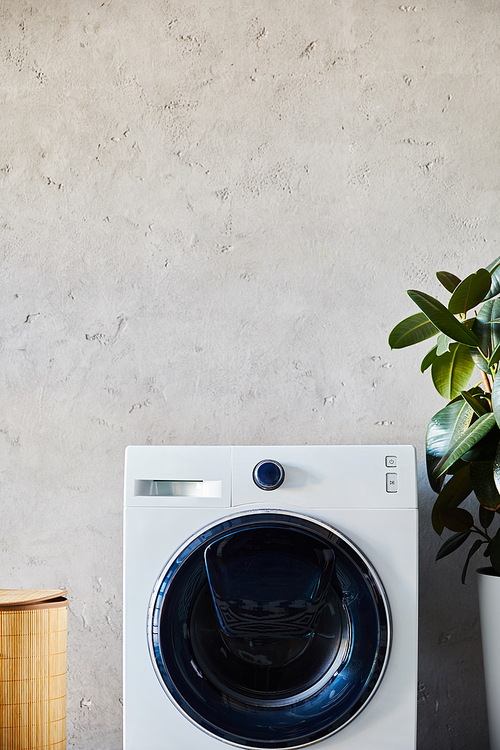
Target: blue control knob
{"x": 268, "y": 475}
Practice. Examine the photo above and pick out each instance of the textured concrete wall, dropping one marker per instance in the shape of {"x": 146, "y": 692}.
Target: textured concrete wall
{"x": 210, "y": 212}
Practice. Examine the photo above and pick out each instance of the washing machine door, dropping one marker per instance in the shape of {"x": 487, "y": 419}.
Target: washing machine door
{"x": 269, "y": 630}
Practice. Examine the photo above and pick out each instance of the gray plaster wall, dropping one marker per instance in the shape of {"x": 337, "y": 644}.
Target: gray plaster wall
{"x": 210, "y": 212}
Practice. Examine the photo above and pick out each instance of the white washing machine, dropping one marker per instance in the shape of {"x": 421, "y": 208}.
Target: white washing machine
{"x": 270, "y": 597}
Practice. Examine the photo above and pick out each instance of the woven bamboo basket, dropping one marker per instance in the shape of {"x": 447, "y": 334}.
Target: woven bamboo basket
{"x": 33, "y": 626}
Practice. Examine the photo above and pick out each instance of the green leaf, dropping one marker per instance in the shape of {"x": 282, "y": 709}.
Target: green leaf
{"x": 496, "y": 469}
{"x": 451, "y": 544}
{"x": 485, "y": 449}
{"x": 428, "y": 359}
{"x": 476, "y": 390}
{"x": 480, "y": 362}
{"x": 495, "y": 552}
{"x": 443, "y": 431}
{"x": 457, "y": 519}
{"x": 487, "y": 330}
{"x": 443, "y": 318}
{"x": 483, "y": 482}
{"x": 452, "y": 371}
{"x": 494, "y": 357}
{"x": 495, "y": 398}
{"x": 494, "y": 269}
{"x": 476, "y": 431}
{"x": 488, "y": 315}
{"x": 486, "y": 516}
{"x": 477, "y": 544}
{"x": 448, "y": 280}
{"x": 443, "y": 344}
{"x": 411, "y": 331}
{"x": 480, "y": 406}
{"x": 470, "y": 292}
{"x": 454, "y": 492}
{"x": 493, "y": 265}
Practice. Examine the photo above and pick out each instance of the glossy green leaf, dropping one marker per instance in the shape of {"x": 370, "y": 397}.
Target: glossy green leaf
{"x": 411, "y": 331}
{"x": 486, "y": 516}
{"x": 452, "y": 544}
{"x": 487, "y": 330}
{"x": 493, "y": 265}
{"x": 428, "y": 359}
{"x": 443, "y": 344}
{"x": 471, "y": 437}
{"x": 470, "y": 292}
{"x": 496, "y": 468}
{"x": 443, "y": 318}
{"x": 493, "y": 360}
{"x": 480, "y": 361}
{"x": 479, "y": 405}
{"x": 495, "y": 398}
{"x": 494, "y": 269}
{"x": 483, "y": 482}
{"x": 495, "y": 552}
{"x": 454, "y": 492}
{"x": 457, "y": 519}
{"x": 443, "y": 431}
{"x": 485, "y": 449}
{"x": 476, "y": 390}
{"x": 452, "y": 371}
{"x": 477, "y": 544}
{"x": 448, "y": 280}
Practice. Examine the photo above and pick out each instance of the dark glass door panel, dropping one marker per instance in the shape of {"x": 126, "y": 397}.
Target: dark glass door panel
{"x": 268, "y": 582}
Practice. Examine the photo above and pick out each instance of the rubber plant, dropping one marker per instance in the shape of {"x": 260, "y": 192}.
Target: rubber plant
{"x": 463, "y": 438}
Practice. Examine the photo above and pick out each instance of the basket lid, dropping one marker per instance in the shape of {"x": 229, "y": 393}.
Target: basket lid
{"x": 24, "y": 597}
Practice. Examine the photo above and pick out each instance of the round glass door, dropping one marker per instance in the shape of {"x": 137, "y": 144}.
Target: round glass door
{"x": 269, "y": 630}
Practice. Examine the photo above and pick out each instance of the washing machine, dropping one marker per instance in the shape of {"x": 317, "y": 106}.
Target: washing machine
{"x": 270, "y": 597}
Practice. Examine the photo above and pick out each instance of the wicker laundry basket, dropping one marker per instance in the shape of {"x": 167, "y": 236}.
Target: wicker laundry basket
{"x": 33, "y": 627}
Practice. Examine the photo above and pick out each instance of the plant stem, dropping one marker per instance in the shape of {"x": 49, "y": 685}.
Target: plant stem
{"x": 486, "y": 382}
{"x": 484, "y": 534}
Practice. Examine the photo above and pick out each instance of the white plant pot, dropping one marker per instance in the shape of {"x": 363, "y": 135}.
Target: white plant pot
{"x": 489, "y": 612}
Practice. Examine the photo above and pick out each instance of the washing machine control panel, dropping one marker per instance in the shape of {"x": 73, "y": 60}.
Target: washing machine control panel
{"x": 380, "y": 476}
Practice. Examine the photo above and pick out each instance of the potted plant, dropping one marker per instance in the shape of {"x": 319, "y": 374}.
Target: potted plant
{"x": 463, "y": 438}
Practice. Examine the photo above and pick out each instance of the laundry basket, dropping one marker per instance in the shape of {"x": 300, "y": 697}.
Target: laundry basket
{"x": 33, "y": 627}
